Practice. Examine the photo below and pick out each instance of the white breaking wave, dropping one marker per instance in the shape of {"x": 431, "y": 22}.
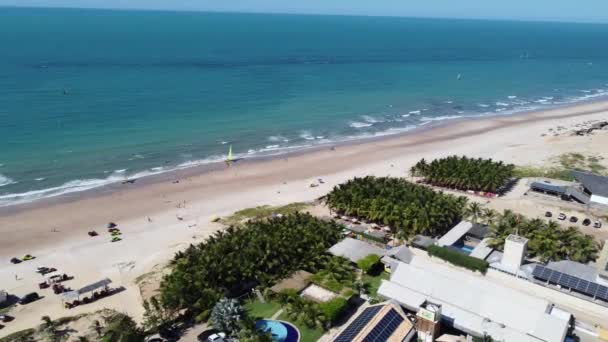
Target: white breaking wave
{"x": 277, "y": 138}
{"x": 440, "y": 118}
{"x": 356, "y": 124}
{"x": 370, "y": 119}
{"x": 40, "y": 179}
{"x": 120, "y": 171}
{"x": 306, "y": 135}
{"x": 5, "y": 180}
{"x": 512, "y": 96}
{"x": 483, "y": 105}
{"x": 414, "y": 112}
{"x": 502, "y": 104}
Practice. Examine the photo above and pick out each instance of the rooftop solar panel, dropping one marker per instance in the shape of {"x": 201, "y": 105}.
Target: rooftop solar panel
{"x": 582, "y": 286}
{"x": 353, "y": 329}
{"x": 385, "y": 328}
{"x": 571, "y": 282}
{"x": 602, "y": 292}
{"x": 592, "y": 289}
{"x": 554, "y": 277}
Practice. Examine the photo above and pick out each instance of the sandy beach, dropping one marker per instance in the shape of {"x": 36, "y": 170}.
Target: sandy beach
{"x": 158, "y": 218}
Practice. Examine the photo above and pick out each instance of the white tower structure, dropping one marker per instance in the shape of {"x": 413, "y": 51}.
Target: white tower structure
{"x": 515, "y": 250}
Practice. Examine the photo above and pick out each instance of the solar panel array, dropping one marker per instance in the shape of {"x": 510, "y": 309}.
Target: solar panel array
{"x": 358, "y": 324}
{"x": 385, "y": 328}
{"x": 583, "y": 286}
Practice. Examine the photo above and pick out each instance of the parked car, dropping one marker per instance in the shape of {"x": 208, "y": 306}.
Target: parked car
{"x": 548, "y": 214}
{"x": 15, "y": 261}
{"x": 28, "y": 298}
{"x": 219, "y": 337}
{"x": 573, "y": 219}
{"x": 561, "y": 216}
{"x": 586, "y": 222}
{"x": 204, "y": 336}
{"x": 597, "y": 224}
{"x": 6, "y": 318}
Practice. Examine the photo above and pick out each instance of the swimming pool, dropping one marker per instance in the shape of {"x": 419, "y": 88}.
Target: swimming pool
{"x": 280, "y": 331}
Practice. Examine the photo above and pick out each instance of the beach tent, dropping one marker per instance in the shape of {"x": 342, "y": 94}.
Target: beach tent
{"x": 74, "y": 295}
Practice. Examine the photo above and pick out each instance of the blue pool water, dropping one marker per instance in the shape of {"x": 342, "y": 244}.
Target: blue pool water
{"x": 281, "y": 332}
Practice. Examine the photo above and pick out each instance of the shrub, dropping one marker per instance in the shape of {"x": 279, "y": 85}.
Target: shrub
{"x": 369, "y": 264}
{"x": 458, "y": 259}
{"x": 333, "y": 309}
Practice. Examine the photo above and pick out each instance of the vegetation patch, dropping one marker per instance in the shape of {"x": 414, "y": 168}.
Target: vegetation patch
{"x": 546, "y": 240}
{"x": 464, "y": 173}
{"x": 371, "y": 284}
{"x": 334, "y": 309}
{"x": 370, "y": 264}
{"x": 458, "y": 259}
{"x": 259, "y": 310}
{"x": 336, "y": 275}
{"x": 22, "y": 335}
{"x": 261, "y": 213}
{"x": 233, "y": 261}
{"x": 407, "y": 208}
{"x": 548, "y": 172}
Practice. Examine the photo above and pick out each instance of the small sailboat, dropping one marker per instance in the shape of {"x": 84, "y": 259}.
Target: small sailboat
{"x": 229, "y": 158}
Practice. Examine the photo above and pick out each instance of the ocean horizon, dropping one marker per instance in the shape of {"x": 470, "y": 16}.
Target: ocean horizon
{"x": 94, "y": 97}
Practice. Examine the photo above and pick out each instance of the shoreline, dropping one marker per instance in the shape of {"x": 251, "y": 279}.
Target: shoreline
{"x": 220, "y": 179}
{"x": 201, "y": 169}
{"x": 158, "y": 217}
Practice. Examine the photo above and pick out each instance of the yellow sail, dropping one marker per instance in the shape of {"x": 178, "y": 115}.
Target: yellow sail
{"x": 229, "y": 154}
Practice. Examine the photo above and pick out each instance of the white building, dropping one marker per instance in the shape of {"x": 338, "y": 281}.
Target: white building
{"x": 514, "y": 254}
{"x": 475, "y": 305}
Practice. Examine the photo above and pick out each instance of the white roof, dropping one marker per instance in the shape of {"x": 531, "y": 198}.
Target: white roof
{"x": 355, "y": 250}
{"x": 482, "y": 250}
{"x": 455, "y": 234}
{"x": 475, "y": 304}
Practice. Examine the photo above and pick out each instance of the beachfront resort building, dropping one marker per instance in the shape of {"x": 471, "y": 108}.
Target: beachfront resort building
{"x": 473, "y": 304}
{"x": 593, "y": 185}
{"x": 355, "y": 250}
{"x": 380, "y": 322}
{"x": 588, "y": 188}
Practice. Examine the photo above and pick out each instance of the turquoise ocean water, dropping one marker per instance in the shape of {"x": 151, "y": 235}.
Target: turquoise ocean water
{"x": 90, "y": 97}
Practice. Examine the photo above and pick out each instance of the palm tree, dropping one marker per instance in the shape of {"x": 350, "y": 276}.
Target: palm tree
{"x": 120, "y": 327}
{"x": 50, "y": 329}
{"x": 489, "y": 216}
{"x": 96, "y": 328}
{"x": 473, "y": 212}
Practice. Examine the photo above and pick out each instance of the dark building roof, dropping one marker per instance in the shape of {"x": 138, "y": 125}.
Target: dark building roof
{"x": 597, "y": 185}
{"x": 422, "y": 241}
{"x": 479, "y": 231}
{"x": 539, "y": 186}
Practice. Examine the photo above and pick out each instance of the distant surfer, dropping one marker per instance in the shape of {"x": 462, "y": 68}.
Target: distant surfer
{"x": 65, "y": 91}
{"x": 459, "y": 77}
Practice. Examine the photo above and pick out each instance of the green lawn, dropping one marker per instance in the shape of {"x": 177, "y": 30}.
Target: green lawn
{"x": 372, "y": 283}
{"x": 306, "y": 334}
{"x": 258, "y": 310}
